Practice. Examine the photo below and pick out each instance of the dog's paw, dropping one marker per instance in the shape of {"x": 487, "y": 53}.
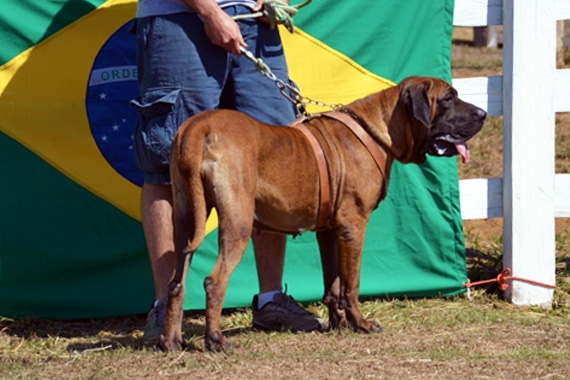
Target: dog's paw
{"x": 217, "y": 343}
{"x": 375, "y": 327}
{"x": 368, "y": 327}
{"x": 338, "y": 321}
{"x": 168, "y": 345}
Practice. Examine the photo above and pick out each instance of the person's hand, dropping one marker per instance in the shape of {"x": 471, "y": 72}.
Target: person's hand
{"x": 223, "y": 31}
{"x": 259, "y": 7}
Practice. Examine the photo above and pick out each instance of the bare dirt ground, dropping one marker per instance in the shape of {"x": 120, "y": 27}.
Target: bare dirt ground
{"x": 456, "y": 338}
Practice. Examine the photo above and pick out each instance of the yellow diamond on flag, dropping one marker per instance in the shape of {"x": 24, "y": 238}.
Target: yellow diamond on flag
{"x": 326, "y": 75}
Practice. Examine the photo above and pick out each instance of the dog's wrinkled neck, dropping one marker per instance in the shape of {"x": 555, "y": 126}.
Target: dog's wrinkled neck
{"x": 384, "y": 118}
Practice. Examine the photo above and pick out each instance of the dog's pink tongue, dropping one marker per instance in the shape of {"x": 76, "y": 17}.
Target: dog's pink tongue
{"x": 464, "y": 152}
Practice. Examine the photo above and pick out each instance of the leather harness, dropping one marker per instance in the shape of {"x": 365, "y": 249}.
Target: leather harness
{"x": 379, "y": 156}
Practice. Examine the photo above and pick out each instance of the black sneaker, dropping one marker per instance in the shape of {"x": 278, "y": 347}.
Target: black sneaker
{"x": 155, "y": 322}
{"x": 284, "y": 313}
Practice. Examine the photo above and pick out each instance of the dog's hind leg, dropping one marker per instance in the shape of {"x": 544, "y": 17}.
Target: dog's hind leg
{"x": 189, "y": 219}
{"x": 234, "y": 235}
{"x": 331, "y": 273}
{"x": 172, "y": 336}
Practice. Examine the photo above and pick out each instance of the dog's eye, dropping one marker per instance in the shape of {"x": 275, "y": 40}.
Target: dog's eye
{"x": 447, "y": 100}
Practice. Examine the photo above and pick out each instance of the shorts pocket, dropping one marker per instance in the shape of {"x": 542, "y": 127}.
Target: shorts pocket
{"x": 156, "y": 128}
{"x": 156, "y": 103}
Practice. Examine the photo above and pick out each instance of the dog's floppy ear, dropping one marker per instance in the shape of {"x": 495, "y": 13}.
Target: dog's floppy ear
{"x": 416, "y": 100}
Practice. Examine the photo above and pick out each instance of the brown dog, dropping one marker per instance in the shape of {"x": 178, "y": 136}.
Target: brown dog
{"x": 267, "y": 177}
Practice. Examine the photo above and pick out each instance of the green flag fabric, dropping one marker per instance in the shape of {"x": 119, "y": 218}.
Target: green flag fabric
{"x": 71, "y": 241}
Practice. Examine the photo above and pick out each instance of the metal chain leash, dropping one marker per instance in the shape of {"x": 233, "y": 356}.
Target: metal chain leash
{"x": 294, "y": 95}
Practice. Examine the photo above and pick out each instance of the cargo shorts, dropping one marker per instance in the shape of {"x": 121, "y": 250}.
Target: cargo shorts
{"x": 181, "y": 73}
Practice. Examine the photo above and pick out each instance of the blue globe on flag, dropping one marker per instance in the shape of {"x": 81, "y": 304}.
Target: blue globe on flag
{"x": 112, "y": 85}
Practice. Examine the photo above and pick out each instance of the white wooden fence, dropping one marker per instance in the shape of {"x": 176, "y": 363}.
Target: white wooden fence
{"x": 528, "y": 94}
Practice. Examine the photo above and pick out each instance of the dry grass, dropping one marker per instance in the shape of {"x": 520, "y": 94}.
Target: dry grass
{"x": 457, "y": 338}
{"x": 423, "y": 339}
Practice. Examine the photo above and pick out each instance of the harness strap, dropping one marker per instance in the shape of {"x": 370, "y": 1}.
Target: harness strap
{"x": 324, "y": 180}
{"x": 379, "y": 155}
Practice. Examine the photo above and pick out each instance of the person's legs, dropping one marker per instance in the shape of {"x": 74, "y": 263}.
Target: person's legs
{"x": 156, "y": 206}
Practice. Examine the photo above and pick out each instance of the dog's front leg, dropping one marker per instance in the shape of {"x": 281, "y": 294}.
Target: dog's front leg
{"x": 350, "y": 244}
{"x": 331, "y": 273}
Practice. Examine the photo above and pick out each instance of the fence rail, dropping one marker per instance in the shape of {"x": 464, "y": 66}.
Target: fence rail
{"x": 490, "y": 12}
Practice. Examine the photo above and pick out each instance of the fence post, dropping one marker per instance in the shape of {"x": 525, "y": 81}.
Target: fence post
{"x": 529, "y": 147}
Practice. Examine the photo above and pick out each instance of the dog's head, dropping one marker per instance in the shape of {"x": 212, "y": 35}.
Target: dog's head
{"x": 446, "y": 121}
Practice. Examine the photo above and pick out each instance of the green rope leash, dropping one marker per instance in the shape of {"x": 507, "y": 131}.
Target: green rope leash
{"x": 278, "y": 13}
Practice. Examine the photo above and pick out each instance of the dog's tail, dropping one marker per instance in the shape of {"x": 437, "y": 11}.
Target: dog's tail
{"x": 190, "y": 211}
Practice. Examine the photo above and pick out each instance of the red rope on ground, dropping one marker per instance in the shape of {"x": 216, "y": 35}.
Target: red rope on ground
{"x": 502, "y": 279}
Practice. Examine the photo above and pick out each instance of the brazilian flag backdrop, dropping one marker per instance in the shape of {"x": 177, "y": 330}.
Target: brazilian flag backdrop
{"x": 71, "y": 241}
